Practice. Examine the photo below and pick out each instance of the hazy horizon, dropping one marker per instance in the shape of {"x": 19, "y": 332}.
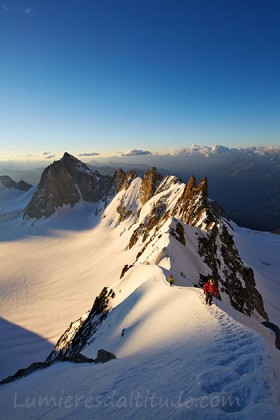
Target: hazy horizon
{"x": 139, "y": 156}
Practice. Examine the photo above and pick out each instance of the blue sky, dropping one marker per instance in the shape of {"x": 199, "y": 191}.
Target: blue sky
{"x": 106, "y": 76}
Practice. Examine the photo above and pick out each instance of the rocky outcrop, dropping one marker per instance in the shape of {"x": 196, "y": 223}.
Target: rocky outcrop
{"x": 215, "y": 244}
{"x": 67, "y": 181}
{"x": 10, "y": 183}
{"x": 178, "y": 233}
{"x": 150, "y": 183}
{"x": 153, "y": 220}
{"x": 218, "y": 251}
{"x": 123, "y": 180}
{"x": 119, "y": 178}
{"x": 80, "y": 332}
{"x": 123, "y": 212}
{"x": 193, "y": 206}
{"x": 125, "y": 268}
{"x": 78, "y": 358}
{"x": 56, "y": 189}
{"x": 21, "y": 373}
{"x": 104, "y": 356}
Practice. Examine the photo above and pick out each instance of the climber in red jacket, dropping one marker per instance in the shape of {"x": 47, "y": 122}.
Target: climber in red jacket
{"x": 210, "y": 289}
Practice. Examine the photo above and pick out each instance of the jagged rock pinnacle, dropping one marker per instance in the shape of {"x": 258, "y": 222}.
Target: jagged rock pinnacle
{"x": 151, "y": 181}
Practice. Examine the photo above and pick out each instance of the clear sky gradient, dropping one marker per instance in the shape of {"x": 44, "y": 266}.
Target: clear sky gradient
{"x": 111, "y": 75}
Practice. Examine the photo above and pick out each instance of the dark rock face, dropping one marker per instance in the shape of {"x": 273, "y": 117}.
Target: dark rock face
{"x": 124, "y": 212}
{"x": 119, "y": 178}
{"x": 80, "y": 332}
{"x": 24, "y": 186}
{"x": 150, "y": 183}
{"x": 9, "y": 183}
{"x": 215, "y": 245}
{"x": 123, "y": 180}
{"x": 24, "y": 372}
{"x": 78, "y": 358}
{"x": 66, "y": 182}
{"x": 91, "y": 185}
{"x": 56, "y": 188}
{"x": 235, "y": 279}
{"x": 193, "y": 204}
{"x": 130, "y": 176}
{"x": 154, "y": 220}
{"x": 179, "y": 233}
{"x": 125, "y": 269}
{"x": 104, "y": 356}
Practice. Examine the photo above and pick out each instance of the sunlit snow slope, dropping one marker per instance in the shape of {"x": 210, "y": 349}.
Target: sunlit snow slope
{"x": 52, "y": 270}
{"x": 177, "y": 358}
{"x": 50, "y": 274}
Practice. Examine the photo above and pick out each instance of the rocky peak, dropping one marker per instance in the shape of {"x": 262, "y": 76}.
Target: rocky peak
{"x": 65, "y": 182}
{"x": 119, "y": 178}
{"x": 75, "y": 167}
{"x": 202, "y": 189}
{"x": 10, "y": 183}
{"x": 56, "y": 188}
{"x": 193, "y": 207}
{"x": 150, "y": 183}
{"x": 130, "y": 176}
{"x": 68, "y": 180}
{"x": 123, "y": 180}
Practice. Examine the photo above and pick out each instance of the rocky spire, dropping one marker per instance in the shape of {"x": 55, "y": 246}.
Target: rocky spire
{"x": 150, "y": 183}
{"x": 119, "y": 179}
{"x": 56, "y": 188}
{"x": 65, "y": 182}
{"x": 123, "y": 180}
{"x": 192, "y": 207}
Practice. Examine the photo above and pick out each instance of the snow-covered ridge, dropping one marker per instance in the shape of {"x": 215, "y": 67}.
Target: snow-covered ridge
{"x": 147, "y": 205}
{"x": 169, "y": 346}
{"x": 175, "y": 229}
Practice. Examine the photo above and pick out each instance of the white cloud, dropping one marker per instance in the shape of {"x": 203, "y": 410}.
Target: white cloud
{"x": 47, "y": 155}
{"x": 220, "y": 149}
{"x": 134, "y": 152}
{"x": 89, "y": 154}
{"x": 217, "y": 149}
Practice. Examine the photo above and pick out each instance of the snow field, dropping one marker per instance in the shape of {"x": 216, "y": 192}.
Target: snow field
{"x": 177, "y": 358}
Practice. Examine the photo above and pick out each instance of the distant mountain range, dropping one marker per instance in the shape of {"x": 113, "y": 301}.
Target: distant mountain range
{"x": 247, "y": 186}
